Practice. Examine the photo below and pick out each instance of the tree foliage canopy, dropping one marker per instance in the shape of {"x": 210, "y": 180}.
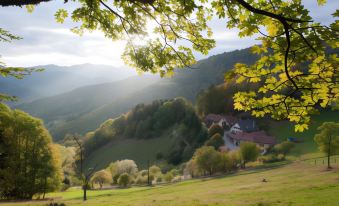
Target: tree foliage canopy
{"x": 297, "y": 75}
{"x": 101, "y": 177}
{"x": 248, "y": 152}
{"x": 207, "y": 159}
{"x": 215, "y": 129}
{"x": 29, "y": 162}
{"x": 328, "y": 138}
{"x": 215, "y": 141}
{"x": 16, "y": 72}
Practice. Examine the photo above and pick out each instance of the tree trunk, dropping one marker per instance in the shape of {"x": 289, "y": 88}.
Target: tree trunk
{"x": 43, "y": 196}
{"x": 329, "y": 153}
{"x": 85, "y": 190}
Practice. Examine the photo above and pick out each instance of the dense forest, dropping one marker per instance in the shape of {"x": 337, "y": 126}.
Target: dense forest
{"x": 174, "y": 117}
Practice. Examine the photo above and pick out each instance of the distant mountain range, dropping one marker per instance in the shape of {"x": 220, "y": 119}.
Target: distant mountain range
{"x": 59, "y": 79}
{"x": 84, "y": 109}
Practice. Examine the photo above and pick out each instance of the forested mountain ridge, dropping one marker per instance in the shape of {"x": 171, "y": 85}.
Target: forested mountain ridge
{"x": 186, "y": 83}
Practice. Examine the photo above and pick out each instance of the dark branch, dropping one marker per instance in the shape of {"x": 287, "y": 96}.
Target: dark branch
{"x": 4, "y": 3}
{"x": 269, "y": 14}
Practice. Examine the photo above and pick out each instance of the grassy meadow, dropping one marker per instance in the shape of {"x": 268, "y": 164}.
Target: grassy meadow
{"x": 140, "y": 151}
{"x": 298, "y": 183}
{"x": 308, "y": 148}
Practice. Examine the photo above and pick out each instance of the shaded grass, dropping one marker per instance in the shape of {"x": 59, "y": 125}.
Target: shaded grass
{"x": 140, "y": 151}
{"x": 308, "y": 148}
{"x": 294, "y": 184}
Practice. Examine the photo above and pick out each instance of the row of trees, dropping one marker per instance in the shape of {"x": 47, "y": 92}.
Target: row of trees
{"x": 208, "y": 161}
{"x": 218, "y": 99}
{"x": 125, "y": 172}
{"x": 29, "y": 161}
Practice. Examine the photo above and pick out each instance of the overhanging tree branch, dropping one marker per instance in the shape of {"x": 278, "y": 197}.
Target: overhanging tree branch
{"x": 21, "y": 2}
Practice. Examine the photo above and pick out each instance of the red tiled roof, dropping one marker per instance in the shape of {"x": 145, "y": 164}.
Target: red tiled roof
{"x": 259, "y": 137}
{"x": 218, "y": 117}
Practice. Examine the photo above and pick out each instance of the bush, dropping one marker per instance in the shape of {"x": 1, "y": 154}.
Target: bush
{"x": 234, "y": 159}
{"x": 272, "y": 158}
{"x": 154, "y": 170}
{"x": 215, "y": 129}
{"x": 101, "y": 177}
{"x": 140, "y": 180}
{"x": 65, "y": 187}
{"x": 215, "y": 141}
{"x": 124, "y": 180}
{"x": 177, "y": 179}
{"x": 225, "y": 162}
{"x": 159, "y": 179}
{"x": 115, "y": 179}
{"x": 283, "y": 148}
{"x": 248, "y": 152}
{"x": 168, "y": 176}
{"x": 207, "y": 159}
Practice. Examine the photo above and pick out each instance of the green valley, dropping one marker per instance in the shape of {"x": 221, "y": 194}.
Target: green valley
{"x": 169, "y": 103}
{"x": 84, "y": 109}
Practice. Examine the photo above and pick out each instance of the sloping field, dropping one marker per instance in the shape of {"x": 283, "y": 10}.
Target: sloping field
{"x": 308, "y": 148}
{"x": 140, "y": 151}
{"x": 296, "y": 184}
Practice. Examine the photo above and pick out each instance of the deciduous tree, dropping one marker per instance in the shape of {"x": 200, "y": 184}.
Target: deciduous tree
{"x": 102, "y": 177}
{"x": 215, "y": 129}
{"x": 328, "y": 140}
{"x": 207, "y": 159}
{"x": 215, "y": 141}
{"x": 124, "y": 180}
{"x": 248, "y": 152}
{"x": 29, "y": 162}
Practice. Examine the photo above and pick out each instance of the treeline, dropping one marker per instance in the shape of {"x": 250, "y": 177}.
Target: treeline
{"x": 175, "y": 117}
{"x": 125, "y": 173}
{"x": 29, "y": 161}
{"x": 218, "y": 99}
{"x": 209, "y": 161}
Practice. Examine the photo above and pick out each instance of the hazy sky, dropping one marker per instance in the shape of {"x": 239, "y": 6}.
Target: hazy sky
{"x": 47, "y": 42}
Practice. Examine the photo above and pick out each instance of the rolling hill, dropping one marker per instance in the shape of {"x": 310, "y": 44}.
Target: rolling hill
{"x": 59, "y": 79}
{"x": 186, "y": 83}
